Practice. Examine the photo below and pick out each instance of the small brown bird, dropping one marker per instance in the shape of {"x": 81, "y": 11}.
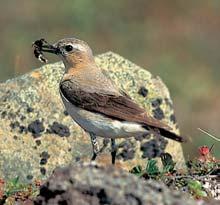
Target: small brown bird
{"x": 94, "y": 102}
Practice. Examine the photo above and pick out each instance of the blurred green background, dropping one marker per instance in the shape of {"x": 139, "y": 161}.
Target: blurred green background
{"x": 179, "y": 40}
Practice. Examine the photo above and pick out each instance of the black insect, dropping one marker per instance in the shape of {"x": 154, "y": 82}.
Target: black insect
{"x": 40, "y": 46}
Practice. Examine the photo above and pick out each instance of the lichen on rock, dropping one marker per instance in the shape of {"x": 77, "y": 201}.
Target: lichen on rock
{"x": 31, "y": 109}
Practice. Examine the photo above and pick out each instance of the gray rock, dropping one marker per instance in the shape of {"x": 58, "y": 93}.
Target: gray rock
{"x": 33, "y": 121}
{"x": 92, "y": 185}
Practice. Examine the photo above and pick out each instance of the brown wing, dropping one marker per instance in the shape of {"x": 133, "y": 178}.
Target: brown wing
{"x": 119, "y": 107}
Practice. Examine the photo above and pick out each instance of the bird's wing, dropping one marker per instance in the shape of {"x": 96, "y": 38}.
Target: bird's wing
{"x": 119, "y": 107}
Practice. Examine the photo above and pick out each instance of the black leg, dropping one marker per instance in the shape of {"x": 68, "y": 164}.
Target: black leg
{"x": 95, "y": 146}
{"x": 113, "y": 151}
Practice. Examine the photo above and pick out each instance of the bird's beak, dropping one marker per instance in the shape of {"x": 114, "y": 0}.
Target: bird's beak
{"x": 50, "y": 49}
{"x": 43, "y": 46}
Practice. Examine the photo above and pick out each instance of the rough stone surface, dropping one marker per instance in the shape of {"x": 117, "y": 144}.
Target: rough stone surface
{"x": 33, "y": 120}
{"x": 92, "y": 185}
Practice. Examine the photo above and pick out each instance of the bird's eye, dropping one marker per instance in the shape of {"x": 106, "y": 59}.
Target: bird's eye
{"x": 68, "y": 48}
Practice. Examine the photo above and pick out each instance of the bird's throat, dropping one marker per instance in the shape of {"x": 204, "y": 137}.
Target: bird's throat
{"x": 78, "y": 64}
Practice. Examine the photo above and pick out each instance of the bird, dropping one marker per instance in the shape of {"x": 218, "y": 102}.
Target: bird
{"x": 93, "y": 100}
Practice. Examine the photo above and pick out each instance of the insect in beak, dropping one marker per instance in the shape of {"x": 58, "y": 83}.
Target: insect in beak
{"x": 41, "y": 46}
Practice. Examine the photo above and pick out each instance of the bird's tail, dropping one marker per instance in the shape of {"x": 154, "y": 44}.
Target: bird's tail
{"x": 171, "y": 135}
{"x": 167, "y": 134}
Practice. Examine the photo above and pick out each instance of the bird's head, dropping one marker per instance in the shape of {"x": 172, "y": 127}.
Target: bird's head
{"x": 72, "y": 51}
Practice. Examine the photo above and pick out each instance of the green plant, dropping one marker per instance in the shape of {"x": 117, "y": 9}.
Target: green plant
{"x": 152, "y": 170}
{"x": 204, "y": 168}
{"x": 15, "y": 190}
{"x": 196, "y": 189}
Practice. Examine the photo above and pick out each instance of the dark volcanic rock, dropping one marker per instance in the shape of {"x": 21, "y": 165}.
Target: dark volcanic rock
{"x": 92, "y": 185}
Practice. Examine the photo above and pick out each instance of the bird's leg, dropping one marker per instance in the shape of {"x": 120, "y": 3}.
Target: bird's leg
{"x": 95, "y": 146}
{"x": 113, "y": 151}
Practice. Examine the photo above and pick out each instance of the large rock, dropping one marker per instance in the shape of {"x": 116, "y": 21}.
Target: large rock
{"x": 37, "y": 135}
{"x": 92, "y": 185}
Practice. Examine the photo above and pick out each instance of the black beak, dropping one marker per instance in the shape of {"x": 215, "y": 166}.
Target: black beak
{"x": 41, "y": 46}
{"x": 44, "y": 46}
{"x": 50, "y": 49}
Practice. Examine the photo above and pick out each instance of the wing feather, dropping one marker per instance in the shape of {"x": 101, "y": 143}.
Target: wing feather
{"x": 119, "y": 107}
